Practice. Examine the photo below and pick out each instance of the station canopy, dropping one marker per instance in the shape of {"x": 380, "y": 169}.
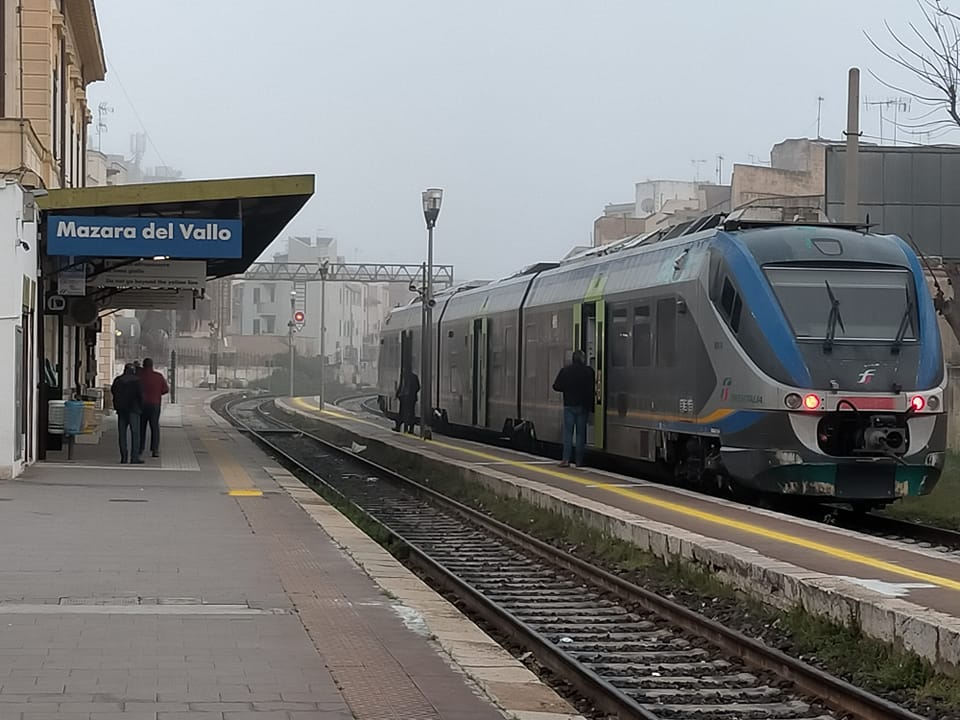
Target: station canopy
{"x": 228, "y": 223}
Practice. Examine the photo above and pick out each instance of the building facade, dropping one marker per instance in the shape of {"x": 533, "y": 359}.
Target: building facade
{"x": 354, "y": 311}
{"x": 659, "y": 203}
{"x": 51, "y": 53}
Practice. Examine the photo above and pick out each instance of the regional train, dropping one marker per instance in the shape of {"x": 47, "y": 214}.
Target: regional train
{"x": 799, "y": 360}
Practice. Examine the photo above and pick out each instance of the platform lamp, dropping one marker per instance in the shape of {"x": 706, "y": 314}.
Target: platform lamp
{"x": 291, "y": 325}
{"x": 432, "y": 197}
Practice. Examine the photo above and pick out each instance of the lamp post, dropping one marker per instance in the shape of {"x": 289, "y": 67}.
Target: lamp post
{"x": 324, "y": 269}
{"x": 290, "y": 326}
{"x": 431, "y": 210}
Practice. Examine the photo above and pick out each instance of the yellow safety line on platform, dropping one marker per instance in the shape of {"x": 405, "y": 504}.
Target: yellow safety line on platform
{"x": 746, "y": 527}
{"x": 238, "y": 482}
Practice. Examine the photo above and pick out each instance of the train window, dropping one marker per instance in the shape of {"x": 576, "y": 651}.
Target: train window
{"x": 735, "y": 313}
{"x": 727, "y": 297}
{"x": 531, "y": 352}
{"x": 641, "y": 337}
{"x": 666, "y": 332}
{"x": 620, "y": 339}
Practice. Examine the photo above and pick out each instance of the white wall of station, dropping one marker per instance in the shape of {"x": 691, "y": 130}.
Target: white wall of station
{"x": 19, "y": 309}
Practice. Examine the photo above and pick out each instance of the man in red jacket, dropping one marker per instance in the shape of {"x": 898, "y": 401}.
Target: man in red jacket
{"x": 154, "y": 388}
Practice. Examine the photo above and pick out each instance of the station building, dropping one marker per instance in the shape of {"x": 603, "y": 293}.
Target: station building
{"x": 73, "y": 253}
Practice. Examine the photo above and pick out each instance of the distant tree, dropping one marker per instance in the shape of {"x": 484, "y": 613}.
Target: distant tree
{"x": 930, "y": 52}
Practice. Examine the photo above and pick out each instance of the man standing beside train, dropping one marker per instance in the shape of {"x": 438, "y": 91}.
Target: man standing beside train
{"x": 576, "y": 381}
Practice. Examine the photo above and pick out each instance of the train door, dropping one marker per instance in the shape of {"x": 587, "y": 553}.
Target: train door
{"x": 406, "y": 355}
{"x": 480, "y": 355}
{"x": 589, "y": 332}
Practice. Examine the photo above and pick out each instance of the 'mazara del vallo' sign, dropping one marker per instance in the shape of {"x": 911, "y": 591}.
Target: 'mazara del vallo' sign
{"x": 101, "y": 236}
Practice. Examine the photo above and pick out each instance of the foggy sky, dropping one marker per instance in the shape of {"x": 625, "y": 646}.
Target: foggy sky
{"x": 531, "y": 114}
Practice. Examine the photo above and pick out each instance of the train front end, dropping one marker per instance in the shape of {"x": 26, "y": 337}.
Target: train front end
{"x": 855, "y": 412}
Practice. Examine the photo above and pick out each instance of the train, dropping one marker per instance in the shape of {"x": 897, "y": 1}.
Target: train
{"x": 783, "y": 359}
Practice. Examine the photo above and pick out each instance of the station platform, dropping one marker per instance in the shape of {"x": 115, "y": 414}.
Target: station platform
{"x": 895, "y": 591}
{"x": 210, "y": 584}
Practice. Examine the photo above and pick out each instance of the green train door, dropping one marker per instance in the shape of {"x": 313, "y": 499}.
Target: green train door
{"x": 590, "y": 335}
{"x": 480, "y": 355}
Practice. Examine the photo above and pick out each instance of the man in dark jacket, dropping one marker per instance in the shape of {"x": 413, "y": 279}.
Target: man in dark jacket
{"x": 407, "y": 394}
{"x": 576, "y": 381}
{"x": 154, "y": 388}
{"x": 128, "y": 402}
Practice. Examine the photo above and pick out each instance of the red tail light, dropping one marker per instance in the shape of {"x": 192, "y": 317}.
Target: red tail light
{"x": 917, "y": 403}
{"x": 811, "y": 402}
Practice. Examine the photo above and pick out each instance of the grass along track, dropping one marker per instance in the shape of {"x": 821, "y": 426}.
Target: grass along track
{"x": 660, "y": 656}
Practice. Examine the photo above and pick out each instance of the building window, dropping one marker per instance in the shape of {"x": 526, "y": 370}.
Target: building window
{"x": 256, "y": 326}
{"x": 256, "y": 296}
{"x": 55, "y": 114}
{"x": 271, "y": 293}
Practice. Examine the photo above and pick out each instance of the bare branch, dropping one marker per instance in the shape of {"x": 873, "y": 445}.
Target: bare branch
{"x": 932, "y": 56}
{"x": 912, "y": 93}
{"x": 899, "y": 60}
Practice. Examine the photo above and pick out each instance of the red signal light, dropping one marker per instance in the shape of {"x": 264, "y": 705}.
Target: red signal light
{"x": 298, "y": 316}
{"x": 917, "y": 403}
{"x": 811, "y": 402}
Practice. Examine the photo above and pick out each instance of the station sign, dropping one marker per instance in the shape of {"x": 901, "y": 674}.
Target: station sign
{"x": 151, "y": 300}
{"x": 162, "y": 274}
{"x": 72, "y": 282}
{"x": 133, "y": 237}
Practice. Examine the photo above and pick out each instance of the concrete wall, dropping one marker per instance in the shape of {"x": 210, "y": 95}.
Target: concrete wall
{"x": 608, "y": 229}
{"x": 797, "y": 168}
{"x": 751, "y": 182}
{"x": 18, "y": 276}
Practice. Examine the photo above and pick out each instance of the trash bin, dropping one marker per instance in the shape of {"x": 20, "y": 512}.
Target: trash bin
{"x": 73, "y": 417}
{"x": 55, "y": 416}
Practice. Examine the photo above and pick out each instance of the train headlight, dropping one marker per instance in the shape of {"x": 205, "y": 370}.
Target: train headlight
{"x": 933, "y": 402}
{"x": 811, "y": 402}
{"x": 793, "y": 401}
{"x": 917, "y": 403}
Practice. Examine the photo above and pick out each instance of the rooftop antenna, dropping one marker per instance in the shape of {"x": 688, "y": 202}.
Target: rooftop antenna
{"x": 696, "y": 169}
{"x": 897, "y": 103}
{"x": 819, "y": 107}
{"x": 719, "y": 169}
{"x": 103, "y": 109}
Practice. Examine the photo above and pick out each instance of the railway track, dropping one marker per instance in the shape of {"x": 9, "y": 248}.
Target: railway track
{"x": 626, "y": 651}
{"x": 910, "y": 533}
{"x": 917, "y": 534}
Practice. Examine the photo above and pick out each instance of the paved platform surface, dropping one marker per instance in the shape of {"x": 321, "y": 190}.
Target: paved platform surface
{"x": 195, "y": 588}
{"x": 901, "y": 580}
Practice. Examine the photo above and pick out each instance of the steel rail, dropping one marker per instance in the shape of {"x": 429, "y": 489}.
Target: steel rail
{"x": 839, "y": 694}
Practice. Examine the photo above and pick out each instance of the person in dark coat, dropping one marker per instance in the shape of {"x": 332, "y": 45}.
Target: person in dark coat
{"x": 577, "y": 383}
{"x": 128, "y": 402}
{"x": 407, "y": 394}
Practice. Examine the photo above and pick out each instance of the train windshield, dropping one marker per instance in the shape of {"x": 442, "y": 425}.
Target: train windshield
{"x": 852, "y": 304}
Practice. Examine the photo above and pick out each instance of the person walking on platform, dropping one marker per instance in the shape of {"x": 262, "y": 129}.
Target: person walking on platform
{"x": 128, "y": 402}
{"x": 407, "y": 394}
{"x": 576, "y": 381}
{"x": 154, "y": 388}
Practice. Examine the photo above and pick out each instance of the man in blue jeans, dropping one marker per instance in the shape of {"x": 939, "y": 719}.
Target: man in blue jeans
{"x": 576, "y": 381}
{"x": 128, "y": 402}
